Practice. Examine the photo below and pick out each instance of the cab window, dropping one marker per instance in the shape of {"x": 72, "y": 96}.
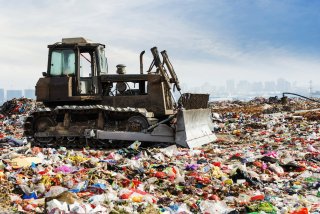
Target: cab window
{"x": 62, "y": 62}
{"x": 102, "y": 60}
{"x": 85, "y": 64}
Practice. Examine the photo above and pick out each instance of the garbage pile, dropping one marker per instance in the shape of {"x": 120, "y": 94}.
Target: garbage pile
{"x": 261, "y": 105}
{"x": 12, "y": 116}
{"x": 261, "y": 163}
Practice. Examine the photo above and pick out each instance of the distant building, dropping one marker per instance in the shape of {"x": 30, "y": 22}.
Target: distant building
{"x": 14, "y": 94}
{"x": 283, "y": 85}
{"x": 230, "y": 86}
{"x": 1, "y": 96}
{"x": 243, "y": 86}
{"x": 257, "y": 87}
{"x": 269, "y": 86}
{"x": 29, "y": 93}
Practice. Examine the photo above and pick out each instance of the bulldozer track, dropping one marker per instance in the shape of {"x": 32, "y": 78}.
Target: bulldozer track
{"x": 45, "y": 126}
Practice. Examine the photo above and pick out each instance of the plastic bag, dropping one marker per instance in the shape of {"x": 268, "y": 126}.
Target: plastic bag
{"x": 55, "y": 191}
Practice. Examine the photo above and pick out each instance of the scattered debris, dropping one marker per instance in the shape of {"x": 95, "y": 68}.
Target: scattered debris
{"x": 261, "y": 163}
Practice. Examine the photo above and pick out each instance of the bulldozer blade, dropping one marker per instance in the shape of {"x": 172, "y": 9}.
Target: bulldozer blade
{"x": 194, "y": 128}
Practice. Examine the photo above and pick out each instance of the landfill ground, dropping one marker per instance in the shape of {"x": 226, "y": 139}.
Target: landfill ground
{"x": 266, "y": 160}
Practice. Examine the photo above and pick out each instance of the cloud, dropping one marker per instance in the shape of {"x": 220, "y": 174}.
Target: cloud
{"x": 206, "y": 40}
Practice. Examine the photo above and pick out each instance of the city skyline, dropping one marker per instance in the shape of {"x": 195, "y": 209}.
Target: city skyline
{"x": 16, "y": 93}
{"x": 315, "y": 83}
{"x": 258, "y": 88}
{"x": 230, "y": 87}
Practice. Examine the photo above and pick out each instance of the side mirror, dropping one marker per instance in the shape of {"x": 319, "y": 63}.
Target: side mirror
{"x": 44, "y": 74}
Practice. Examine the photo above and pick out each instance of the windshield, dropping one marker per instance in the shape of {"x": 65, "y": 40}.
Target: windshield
{"x": 62, "y": 62}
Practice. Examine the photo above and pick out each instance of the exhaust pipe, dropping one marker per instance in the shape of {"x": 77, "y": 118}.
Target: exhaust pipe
{"x": 141, "y": 62}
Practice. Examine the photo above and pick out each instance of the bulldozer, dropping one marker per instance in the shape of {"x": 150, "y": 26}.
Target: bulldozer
{"x": 84, "y": 105}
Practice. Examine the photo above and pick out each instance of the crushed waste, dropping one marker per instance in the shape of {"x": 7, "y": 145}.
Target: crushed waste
{"x": 266, "y": 160}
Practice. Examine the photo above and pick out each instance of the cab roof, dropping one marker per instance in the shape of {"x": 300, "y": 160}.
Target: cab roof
{"x": 76, "y": 41}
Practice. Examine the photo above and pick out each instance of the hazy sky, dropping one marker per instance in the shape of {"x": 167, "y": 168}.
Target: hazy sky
{"x": 207, "y": 41}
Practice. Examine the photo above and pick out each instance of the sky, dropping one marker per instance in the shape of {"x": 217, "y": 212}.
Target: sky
{"x": 208, "y": 41}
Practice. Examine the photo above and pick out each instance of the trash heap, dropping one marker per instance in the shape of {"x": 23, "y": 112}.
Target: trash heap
{"x": 261, "y": 163}
{"x": 12, "y": 116}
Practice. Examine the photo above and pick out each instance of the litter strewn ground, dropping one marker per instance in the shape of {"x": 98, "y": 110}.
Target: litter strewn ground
{"x": 266, "y": 160}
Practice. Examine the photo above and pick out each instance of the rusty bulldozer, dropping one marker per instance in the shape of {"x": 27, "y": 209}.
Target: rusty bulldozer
{"x": 84, "y": 104}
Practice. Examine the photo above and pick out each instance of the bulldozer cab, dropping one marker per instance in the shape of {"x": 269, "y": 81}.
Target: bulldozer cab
{"x": 80, "y": 59}
{"x": 74, "y": 67}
